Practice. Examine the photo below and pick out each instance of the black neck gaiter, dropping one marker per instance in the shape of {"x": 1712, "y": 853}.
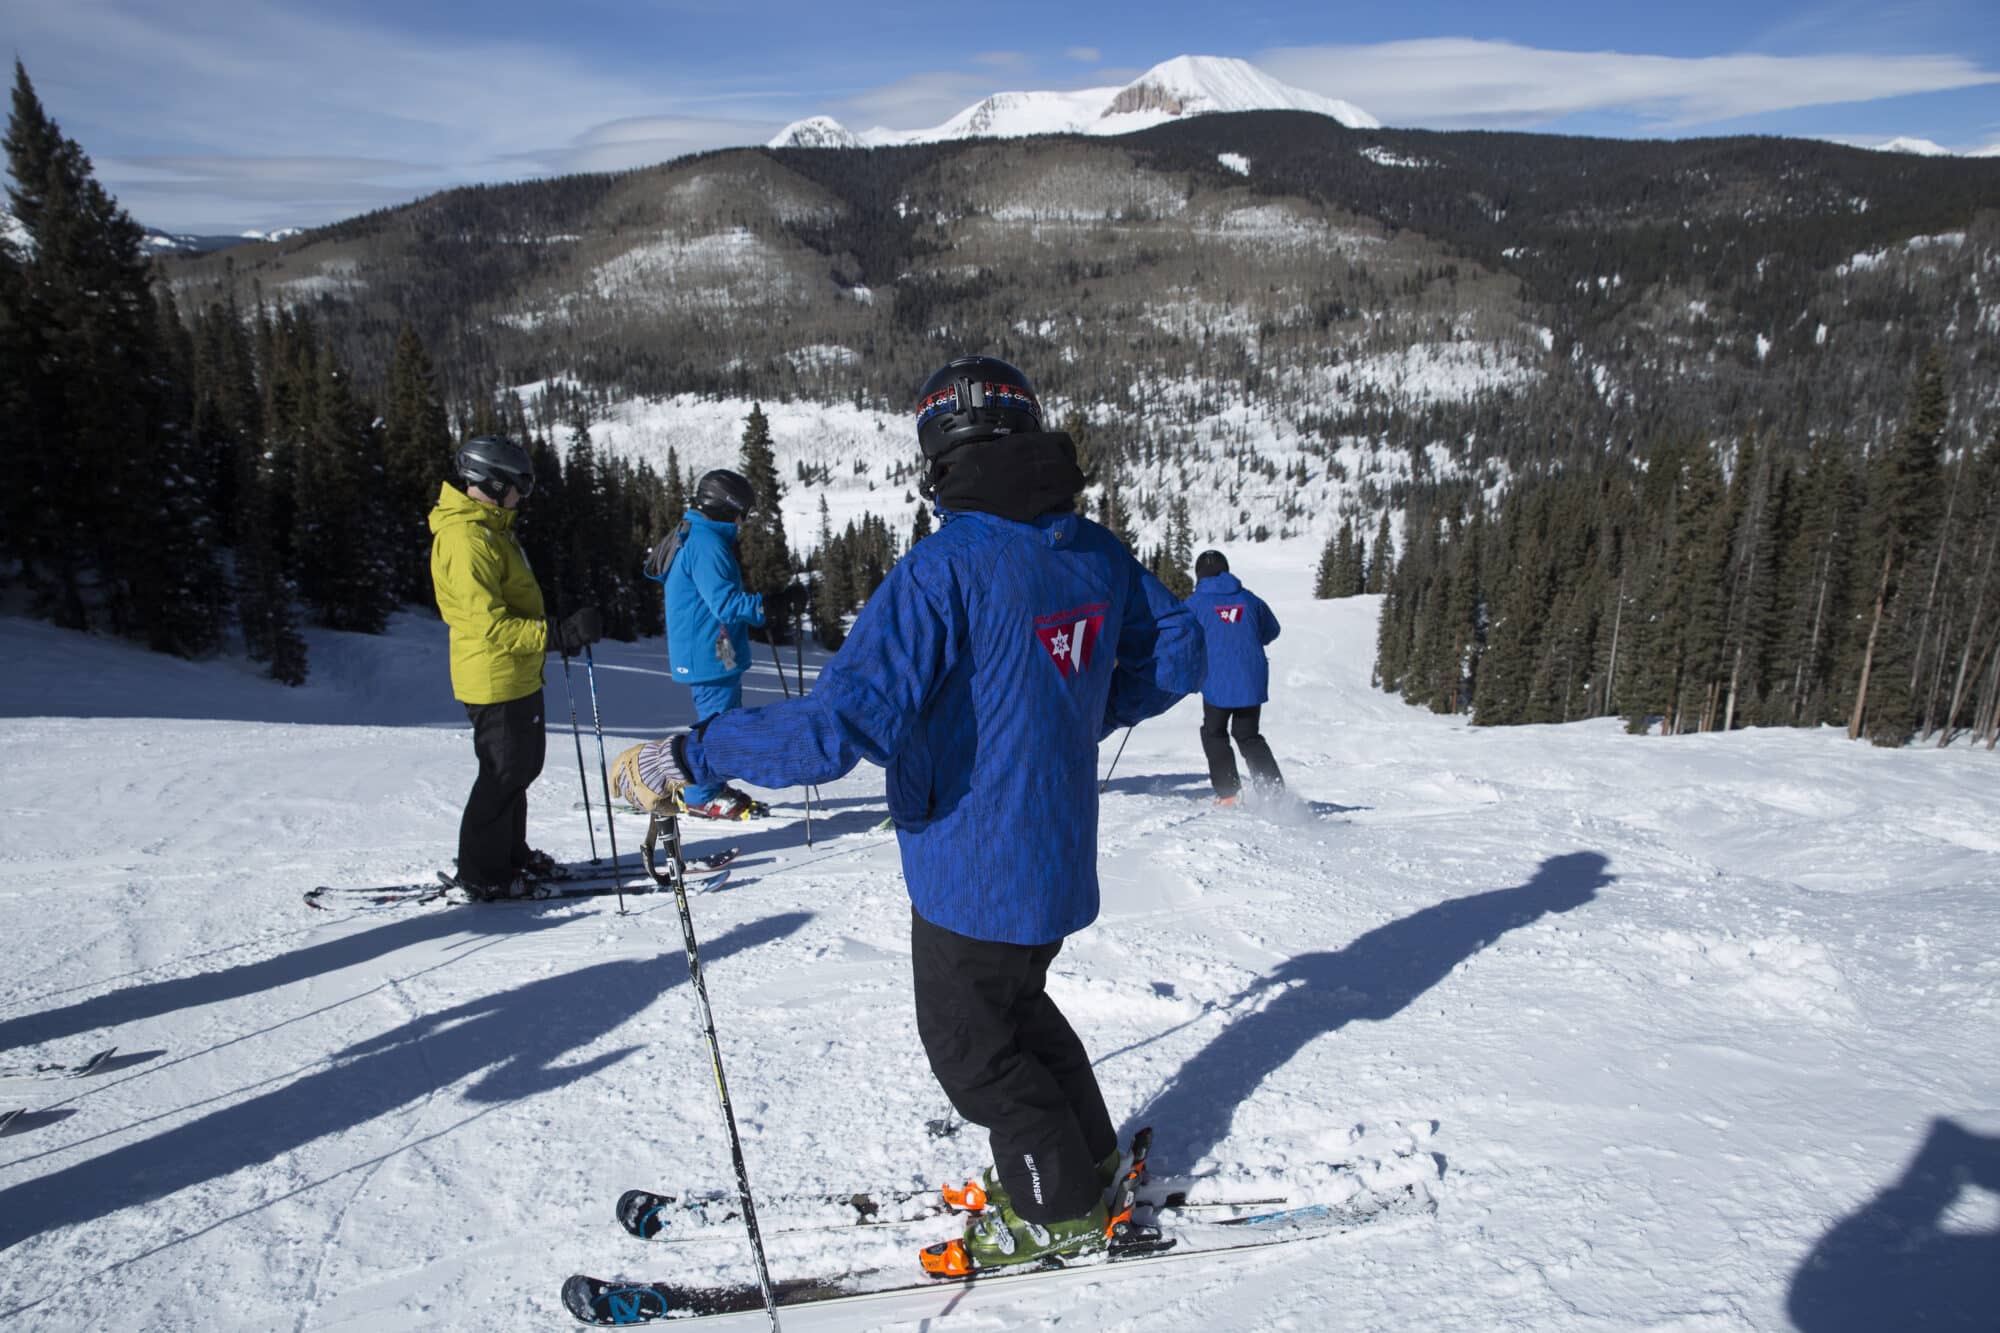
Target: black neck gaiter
{"x": 1020, "y": 477}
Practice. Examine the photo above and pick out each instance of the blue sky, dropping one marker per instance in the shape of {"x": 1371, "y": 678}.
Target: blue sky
{"x": 212, "y": 116}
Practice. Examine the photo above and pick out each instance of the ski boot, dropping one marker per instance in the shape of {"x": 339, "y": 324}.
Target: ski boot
{"x": 998, "y": 1237}
{"x": 541, "y": 868}
{"x": 731, "y": 803}
{"x": 985, "y": 1190}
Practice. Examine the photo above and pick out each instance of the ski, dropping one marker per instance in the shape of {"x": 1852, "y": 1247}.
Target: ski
{"x": 710, "y": 871}
{"x": 48, "y": 1071}
{"x": 651, "y": 1216}
{"x": 619, "y": 1303}
{"x": 8, "y": 1117}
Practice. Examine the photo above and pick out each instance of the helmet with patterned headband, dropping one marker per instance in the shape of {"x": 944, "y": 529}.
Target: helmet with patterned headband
{"x": 974, "y": 398}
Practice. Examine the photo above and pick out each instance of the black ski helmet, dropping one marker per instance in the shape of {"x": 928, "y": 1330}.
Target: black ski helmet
{"x": 1210, "y": 563}
{"x": 974, "y": 398}
{"x": 495, "y": 462}
{"x": 724, "y": 496}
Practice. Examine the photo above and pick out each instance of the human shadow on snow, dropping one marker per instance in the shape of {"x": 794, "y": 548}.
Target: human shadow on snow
{"x": 1374, "y": 978}
{"x": 510, "y": 1042}
{"x": 132, "y": 1004}
{"x": 1895, "y": 1263}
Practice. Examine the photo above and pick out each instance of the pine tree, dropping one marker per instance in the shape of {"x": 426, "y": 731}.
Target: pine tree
{"x": 1903, "y": 511}
{"x": 344, "y": 575}
{"x": 1383, "y": 559}
{"x": 416, "y": 458}
{"x": 920, "y": 526}
{"x": 675, "y": 502}
{"x": 760, "y": 546}
{"x": 112, "y": 494}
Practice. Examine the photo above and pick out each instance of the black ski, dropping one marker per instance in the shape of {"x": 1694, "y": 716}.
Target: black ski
{"x": 651, "y": 1216}
{"x": 618, "y": 1303}
{"x": 48, "y": 1071}
{"x": 712, "y": 871}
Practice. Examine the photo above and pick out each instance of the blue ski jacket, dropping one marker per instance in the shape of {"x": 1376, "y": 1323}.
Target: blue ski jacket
{"x": 983, "y": 673}
{"x": 708, "y": 612}
{"x": 1236, "y": 625}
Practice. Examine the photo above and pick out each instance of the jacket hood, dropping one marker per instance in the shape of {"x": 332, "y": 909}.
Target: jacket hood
{"x": 1056, "y": 529}
{"x": 455, "y": 506}
{"x": 1224, "y": 583}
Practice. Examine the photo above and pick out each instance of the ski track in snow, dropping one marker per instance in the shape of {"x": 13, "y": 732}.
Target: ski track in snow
{"x": 1651, "y": 1019}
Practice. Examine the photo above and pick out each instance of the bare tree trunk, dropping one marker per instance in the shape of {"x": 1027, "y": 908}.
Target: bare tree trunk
{"x": 1993, "y": 690}
{"x": 1971, "y": 637}
{"x": 1735, "y": 675}
{"x": 1937, "y": 570}
{"x": 1868, "y": 654}
{"x": 1611, "y": 672}
{"x": 1825, "y": 578}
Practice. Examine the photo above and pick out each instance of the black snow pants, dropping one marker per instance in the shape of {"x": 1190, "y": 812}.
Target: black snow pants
{"x": 511, "y": 742}
{"x": 1217, "y": 726}
{"x": 1010, "y": 1063}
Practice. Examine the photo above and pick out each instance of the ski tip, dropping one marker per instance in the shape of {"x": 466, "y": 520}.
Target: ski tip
{"x": 641, "y": 1213}
{"x": 612, "y": 1304}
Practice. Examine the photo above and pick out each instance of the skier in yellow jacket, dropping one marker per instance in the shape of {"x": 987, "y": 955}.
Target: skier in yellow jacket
{"x": 499, "y": 636}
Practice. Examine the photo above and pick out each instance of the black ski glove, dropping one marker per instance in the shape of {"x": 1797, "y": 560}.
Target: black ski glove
{"x": 575, "y": 631}
{"x": 781, "y": 606}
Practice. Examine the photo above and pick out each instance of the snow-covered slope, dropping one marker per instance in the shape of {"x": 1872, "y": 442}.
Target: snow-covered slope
{"x": 1183, "y": 86}
{"x": 1680, "y": 1034}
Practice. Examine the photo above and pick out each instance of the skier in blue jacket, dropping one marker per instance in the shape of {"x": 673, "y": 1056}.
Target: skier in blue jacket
{"x": 1236, "y": 626}
{"x": 982, "y": 674}
{"x": 709, "y": 615}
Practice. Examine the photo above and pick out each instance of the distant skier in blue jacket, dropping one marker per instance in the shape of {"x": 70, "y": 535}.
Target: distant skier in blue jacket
{"x": 1236, "y": 626}
{"x": 983, "y": 673}
{"x": 709, "y": 615}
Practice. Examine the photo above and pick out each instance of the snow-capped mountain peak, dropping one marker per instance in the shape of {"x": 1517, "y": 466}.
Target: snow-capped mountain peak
{"x": 815, "y": 132}
{"x": 1171, "y": 90}
{"x": 1904, "y": 143}
{"x": 1191, "y": 85}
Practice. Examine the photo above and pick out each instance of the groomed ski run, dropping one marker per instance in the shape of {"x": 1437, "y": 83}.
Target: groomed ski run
{"x": 1670, "y": 1025}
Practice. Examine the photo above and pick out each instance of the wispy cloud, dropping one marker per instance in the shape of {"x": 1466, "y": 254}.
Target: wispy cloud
{"x": 1466, "y": 83}
{"x": 281, "y": 96}
{"x": 1088, "y": 55}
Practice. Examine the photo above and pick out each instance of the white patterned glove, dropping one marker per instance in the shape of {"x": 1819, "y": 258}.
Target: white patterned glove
{"x": 650, "y": 776}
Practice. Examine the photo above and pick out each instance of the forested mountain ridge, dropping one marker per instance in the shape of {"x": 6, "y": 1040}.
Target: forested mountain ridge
{"x": 1577, "y": 293}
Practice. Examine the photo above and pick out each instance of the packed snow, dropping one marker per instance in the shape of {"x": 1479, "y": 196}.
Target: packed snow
{"x": 1677, "y": 1033}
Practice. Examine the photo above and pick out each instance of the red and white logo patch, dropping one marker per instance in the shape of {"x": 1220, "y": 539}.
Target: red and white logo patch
{"x": 1070, "y": 637}
{"x": 1231, "y": 615}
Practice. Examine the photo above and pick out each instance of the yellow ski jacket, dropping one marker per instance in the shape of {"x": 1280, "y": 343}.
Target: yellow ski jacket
{"x": 489, "y": 597}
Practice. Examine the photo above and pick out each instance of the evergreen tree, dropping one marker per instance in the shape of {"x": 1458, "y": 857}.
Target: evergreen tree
{"x": 1383, "y": 559}
{"x": 112, "y": 514}
{"x": 416, "y": 458}
{"x": 920, "y": 527}
{"x": 344, "y": 574}
{"x": 675, "y": 502}
{"x": 760, "y": 546}
{"x": 1903, "y": 511}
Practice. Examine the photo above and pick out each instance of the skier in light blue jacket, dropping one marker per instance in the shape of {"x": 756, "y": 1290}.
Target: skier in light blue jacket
{"x": 709, "y": 615}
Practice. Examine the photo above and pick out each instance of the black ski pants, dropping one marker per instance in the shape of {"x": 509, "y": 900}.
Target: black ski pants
{"x": 1217, "y": 726}
{"x": 511, "y": 743}
{"x": 1010, "y": 1063}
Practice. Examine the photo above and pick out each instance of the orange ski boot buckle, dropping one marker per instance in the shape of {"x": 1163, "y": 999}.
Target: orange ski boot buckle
{"x": 969, "y": 1198}
{"x": 947, "y": 1258}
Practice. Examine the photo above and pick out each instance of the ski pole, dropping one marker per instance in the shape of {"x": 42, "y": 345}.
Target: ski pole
{"x": 799, "y": 660}
{"x": 589, "y": 820}
{"x": 604, "y": 774}
{"x": 771, "y": 642}
{"x": 1114, "y": 763}
{"x": 678, "y": 879}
